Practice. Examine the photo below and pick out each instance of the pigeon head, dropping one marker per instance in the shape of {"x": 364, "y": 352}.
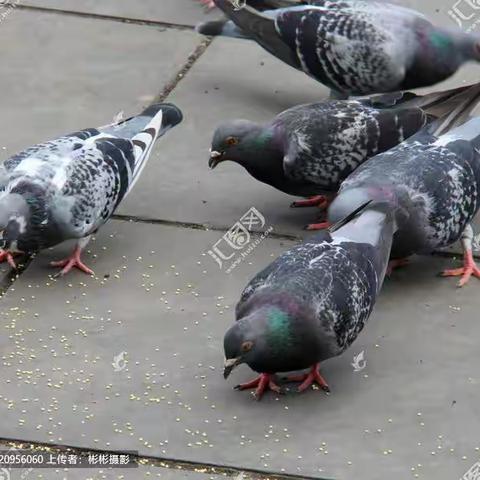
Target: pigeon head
{"x": 237, "y": 141}
{"x": 455, "y": 46}
{"x": 14, "y": 217}
{"x": 267, "y": 341}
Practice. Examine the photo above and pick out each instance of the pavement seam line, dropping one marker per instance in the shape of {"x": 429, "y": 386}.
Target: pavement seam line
{"x": 159, "y": 462}
{"x": 100, "y": 16}
{"x": 198, "y": 226}
{"x": 182, "y": 73}
{"x": 213, "y": 228}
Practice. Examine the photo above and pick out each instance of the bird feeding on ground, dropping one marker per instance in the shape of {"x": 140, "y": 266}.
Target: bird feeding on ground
{"x": 69, "y": 187}
{"x": 311, "y": 303}
{"x": 308, "y": 150}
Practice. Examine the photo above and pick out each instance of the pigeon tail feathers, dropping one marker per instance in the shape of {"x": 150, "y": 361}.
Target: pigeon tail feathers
{"x": 352, "y": 203}
{"x": 261, "y": 27}
{"x": 338, "y": 225}
{"x": 467, "y": 100}
{"x": 224, "y": 28}
{"x": 162, "y": 117}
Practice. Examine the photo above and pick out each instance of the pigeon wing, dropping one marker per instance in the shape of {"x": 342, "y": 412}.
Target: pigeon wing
{"x": 346, "y": 49}
{"x": 91, "y": 185}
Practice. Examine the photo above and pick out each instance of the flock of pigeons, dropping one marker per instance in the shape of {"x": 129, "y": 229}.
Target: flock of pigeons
{"x": 398, "y": 173}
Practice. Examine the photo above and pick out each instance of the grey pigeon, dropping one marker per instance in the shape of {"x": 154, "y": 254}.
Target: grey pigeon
{"x": 355, "y": 47}
{"x": 311, "y": 303}
{"x": 435, "y": 177}
{"x": 67, "y": 188}
{"x": 258, "y": 4}
{"x": 309, "y": 150}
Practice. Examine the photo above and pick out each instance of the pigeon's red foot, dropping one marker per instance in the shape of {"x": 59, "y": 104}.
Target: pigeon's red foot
{"x": 320, "y": 201}
{"x": 318, "y": 226}
{"x": 6, "y": 256}
{"x": 398, "y": 263}
{"x": 309, "y": 379}
{"x": 208, "y": 3}
{"x": 262, "y": 383}
{"x": 469, "y": 268}
{"x": 72, "y": 262}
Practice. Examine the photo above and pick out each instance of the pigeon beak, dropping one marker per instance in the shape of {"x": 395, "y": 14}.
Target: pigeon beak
{"x": 215, "y": 158}
{"x": 229, "y": 365}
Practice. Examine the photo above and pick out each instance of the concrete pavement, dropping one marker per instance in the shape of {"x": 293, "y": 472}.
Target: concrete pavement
{"x": 131, "y": 359}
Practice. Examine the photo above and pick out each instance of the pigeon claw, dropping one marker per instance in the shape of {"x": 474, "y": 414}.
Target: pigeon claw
{"x": 72, "y": 262}
{"x": 262, "y": 383}
{"x": 7, "y": 256}
{"x": 209, "y": 4}
{"x": 309, "y": 379}
{"x": 397, "y": 263}
{"x": 320, "y": 201}
{"x": 318, "y": 226}
{"x": 468, "y": 270}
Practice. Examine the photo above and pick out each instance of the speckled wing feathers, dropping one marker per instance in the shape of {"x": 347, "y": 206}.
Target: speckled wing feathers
{"x": 327, "y": 141}
{"x": 438, "y": 184}
{"x": 336, "y": 278}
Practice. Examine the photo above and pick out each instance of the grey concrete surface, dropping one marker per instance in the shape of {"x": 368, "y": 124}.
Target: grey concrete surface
{"x": 131, "y": 359}
{"x": 140, "y": 473}
{"x": 182, "y": 12}
{"x": 62, "y": 73}
{"x": 168, "y": 313}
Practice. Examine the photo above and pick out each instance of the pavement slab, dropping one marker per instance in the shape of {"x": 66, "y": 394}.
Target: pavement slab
{"x": 182, "y": 12}
{"x": 102, "y": 69}
{"x": 132, "y": 360}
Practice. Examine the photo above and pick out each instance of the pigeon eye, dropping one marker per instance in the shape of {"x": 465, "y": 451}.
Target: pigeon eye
{"x": 231, "y": 141}
{"x": 247, "y": 346}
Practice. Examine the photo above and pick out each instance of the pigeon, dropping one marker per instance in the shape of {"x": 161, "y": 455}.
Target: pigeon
{"x": 435, "y": 177}
{"x": 355, "y": 47}
{"x": 258, "y": 4}
{"x": 312, "y": 302}
{"x": 69, "y": 187}
{"x": 308, "y": 150}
